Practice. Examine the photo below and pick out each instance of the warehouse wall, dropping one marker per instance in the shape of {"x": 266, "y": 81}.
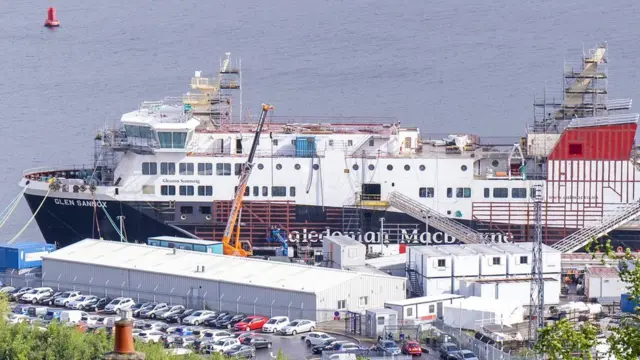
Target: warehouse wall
{"x": 189, "y": 291}
{"x": 377, "y": 289}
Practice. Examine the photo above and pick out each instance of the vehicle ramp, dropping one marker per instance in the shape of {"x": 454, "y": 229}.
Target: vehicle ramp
{"x": 423, "y": 213}
{"x": 582, "y": 237}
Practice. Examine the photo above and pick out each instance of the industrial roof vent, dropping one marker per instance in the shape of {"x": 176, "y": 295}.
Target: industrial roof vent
{"x": 202, "y": 268}
{"x": 174, "y": 251}
{"x": 197, "y": 268}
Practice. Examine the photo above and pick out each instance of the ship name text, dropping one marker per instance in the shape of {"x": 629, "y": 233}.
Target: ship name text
{"x": 181, "y": 181}
{"x": 73, "y": 202}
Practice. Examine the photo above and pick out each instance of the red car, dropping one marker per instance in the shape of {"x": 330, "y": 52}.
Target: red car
{"x": 251, "y": 323}
{"x": 412, "y": 348}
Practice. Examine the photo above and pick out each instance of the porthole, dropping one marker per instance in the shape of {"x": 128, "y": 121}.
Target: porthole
{"x": 463, "y": 167}
{"x": 422, "y": 167}
{"x": 355, "y": 167}
{"x": 316, "y": 166}
{"x": 407, "y": 167}
{"x": 495, "y": 163}
{"x": 278, "y": 167}
{"x": 297, "y": 166}
{"x": 389, "y": 167}
{"x": 371, "y": 167}
{"x": 260, "y": 166}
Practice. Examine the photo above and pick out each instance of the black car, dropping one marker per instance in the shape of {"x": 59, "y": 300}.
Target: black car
{"x": 241, "y": 352}
{"x": 329, "y": 345}
{"x": 259, "y": 342}
{"x": 176, "y": 318}
{"x": 229, "y": 321}
{"x": 212, "y": 320}
{"x": 137, "y": 308}
{"x": 100, "y": 304}
{"x": 48, "y": 299}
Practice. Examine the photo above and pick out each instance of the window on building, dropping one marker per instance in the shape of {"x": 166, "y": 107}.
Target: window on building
{"x": 186, "y": 210}
{"x": 265, "y": 191}
{"x": 496, "y": 261}
{"x": 274, "y": 142}
{"x": 172, "y": 140}
{"x": 330, "y": 142}
{"x": 186, "y": 168}
{"x": 293, "y": 142}
{"x": 256, "y": 191}
{"x": 138, "y": 131}
{"x": 371, "y": 142}
{"x": 223, "y": 169}
{"x": 205, "y": 210}
{"x": 167, "y": 190}
{"x": 487, "y": 193}
{"x": 409, "y": 311}
{"x": 449, "y": 192}
{"x": 519, "y": 193}
{"x": 463, "y": 192}
{"x": 205, "y": 169}
{"x": 237, "y": 169}
{"x": 342, "y": 304}
{"x": 167, "y": 168}
{"x": 363, "y": 300}
{"x": 349, "y": 142}
{"x": 149, "y": 168}
{"x": 432, "y": 309}
{"x": 500, "y": 193}
{"x": 524, "y": 259}
{"x": 575, "y": 149}
{"x": 186, "y": 190}
{"x": 205, "y": 190}
{"x": 380, "y": 320}
{"x": 279, "y": 191}
{"x": 292, "y": 191}
{"x": 442, "y": 262}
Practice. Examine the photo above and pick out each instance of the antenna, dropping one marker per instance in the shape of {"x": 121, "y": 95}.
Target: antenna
{"x": 536, "y": 305}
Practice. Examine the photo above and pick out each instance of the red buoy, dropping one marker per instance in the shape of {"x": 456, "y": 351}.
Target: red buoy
{"x": 52, "y": 21}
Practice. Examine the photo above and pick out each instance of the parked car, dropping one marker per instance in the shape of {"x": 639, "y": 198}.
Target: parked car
{"x": 215, "y": 335}
{"x": 137, "y": 308}
{"x": 37, "y": 311}
{"x": 465, "y": 355}
{"x": 225, "y": 344}
{"x": 117, "y": 304}
{"x": 177, "y": 317}
{"x": 34, "y": 295}
{"x": 48, "y": 299}
{"x": 260, "y": 342}
{"x": 388, "y": 347}
{"x": 83, "y": 302}
{"x": 66, "y": 297}
{"x": 184, "y": 331}
{"x": 198, "y": 317}
{"x": 21, "y": 309}
{"x": 332, "y": 346}
{"x": 275, "y": 324}
{"x": 100, "y": 304}
{"x": 222, "y": 320}
{"x": 318, "y": 338}
{"x": 151, "y": 311}
{"x": 448, "y": 350}
{"x": 412, "y": 348}
{"x": 152, "y": 336}
{"x": 52, "y": 314}
{"x": 298, "y": 326}
{"x": 72, "y": 316}
{"x": 7, "y": 289}
{"x": 17, "y": 294}
{"x": 229, "y": 321}
{"x": 241, "y": 352}
{"x": 164, "y": 313}
{"x": 242, "y": 336}
{"x": 251, "y": 323}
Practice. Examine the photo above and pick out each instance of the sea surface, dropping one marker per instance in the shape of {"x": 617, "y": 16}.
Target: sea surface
{"x": 446, "y": 66}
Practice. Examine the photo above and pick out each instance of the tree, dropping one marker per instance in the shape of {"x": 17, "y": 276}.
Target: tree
{"x": 563, "y": 341}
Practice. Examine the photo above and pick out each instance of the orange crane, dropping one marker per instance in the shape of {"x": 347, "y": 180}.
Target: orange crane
{"x": 242, "y": 248}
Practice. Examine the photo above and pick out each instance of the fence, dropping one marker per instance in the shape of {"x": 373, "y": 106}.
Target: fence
{"x": 483, "y": 350}
{"x": 367, "y": 354}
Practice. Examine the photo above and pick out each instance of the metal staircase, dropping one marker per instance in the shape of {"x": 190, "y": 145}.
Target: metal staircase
{"x": 414, "y": 285}
{"x": 419, "y": 211}
{"x": 582, "y": 237}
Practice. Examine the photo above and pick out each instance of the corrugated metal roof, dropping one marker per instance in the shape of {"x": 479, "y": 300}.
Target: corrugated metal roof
{"x": 475, "y": 249}
{"x": 602, "y": 271}
{"x": 230, "y": 269}
{"x": 424, "y": 299}
{"x": 343, "y": 240}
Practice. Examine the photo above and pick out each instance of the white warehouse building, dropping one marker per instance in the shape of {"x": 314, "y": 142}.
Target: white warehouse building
{"x": 219, "y": 282}
{"x": 441, "y": 269}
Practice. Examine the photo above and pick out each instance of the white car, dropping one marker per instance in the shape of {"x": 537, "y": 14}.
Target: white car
{"x": 275, "y": 324}
{"x": 93, "y": 320}
{"x": 121, "y": 303}
{"x": 298, "y": 326}
{"x": 197, "y": 317}
{"x": 66, "y": 297}
{"x": 225, "y": 344}
{"x": 18, "y": 318}
{"x": 33, "y": 296}
{"x": 82, "y": 302}
{"x": 215, "y": 335}
{"x": 150, "y": 336}
{"x": 318, "y": 338}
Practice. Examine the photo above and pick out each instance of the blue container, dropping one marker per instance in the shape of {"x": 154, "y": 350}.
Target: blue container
{"x": 305, "y": 146}
{"x": 626, "y": 305}
{"x": 23, "y": 255}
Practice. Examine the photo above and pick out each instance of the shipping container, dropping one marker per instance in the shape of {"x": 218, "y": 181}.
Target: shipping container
{"x": 305, "y": 146}
{"x": 23, "y": 255}
{"x": 627, "y": 305}
{"x": 208, "y": 246}
{"x": 604, "y": 284}
{"x": 342, "y": 252}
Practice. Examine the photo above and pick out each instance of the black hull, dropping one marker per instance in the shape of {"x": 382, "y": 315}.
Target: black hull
{"x": 64, "y": 222}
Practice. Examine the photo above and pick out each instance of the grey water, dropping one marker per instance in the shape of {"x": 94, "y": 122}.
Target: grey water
{"x": 445, "y": 66}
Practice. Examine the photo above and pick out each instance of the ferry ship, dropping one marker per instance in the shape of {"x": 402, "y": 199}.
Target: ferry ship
{"x": 171, "y": 168}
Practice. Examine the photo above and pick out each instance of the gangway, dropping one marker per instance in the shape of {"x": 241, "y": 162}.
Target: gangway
{"x": 583, "y": 236}
{"x": 421, "y": 212}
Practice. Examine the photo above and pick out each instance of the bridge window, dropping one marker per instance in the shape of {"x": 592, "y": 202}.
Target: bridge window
{"x": 186, "y": 168}
{"x": 500, "y": 193}
{"x": 265, "y": 191}
{"x": 172, "y": 140}
{"x": 463, "y": 192}
{"x": 223, "y": 169}
{"x": 256, "y": 191}
{"x": 167, "y": 190}
{"x": 279, "y": 191}
{"x": 205, "y": 169}
{"x": 449, "y": 192}
{"x": 519, "y": 193}
{"x": 149, "y": 168}
{"x": 426, "y": 192}
{"x": 167, "y": 168}
{"x": 292, "y": 191}
{"x": 487, "y": 193}
{"x": 138, "y": 131}
{"x": 186, "y": 190}
{"x": 205, "y": 190}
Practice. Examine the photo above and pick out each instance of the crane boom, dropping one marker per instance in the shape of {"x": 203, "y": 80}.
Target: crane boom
{"x": 236, "y": 248}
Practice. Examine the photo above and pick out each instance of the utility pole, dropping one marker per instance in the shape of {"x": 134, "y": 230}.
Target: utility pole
{"x": 536, "y": 308}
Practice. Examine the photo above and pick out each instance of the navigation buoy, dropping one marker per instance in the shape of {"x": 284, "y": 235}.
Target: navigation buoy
{"x": 52, "y": 21}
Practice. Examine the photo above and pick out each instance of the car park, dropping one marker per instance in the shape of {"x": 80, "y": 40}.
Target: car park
{"x": 66, "y": 297}
{"x": 412, "y": 348}
{"x": 82, "y": 302}
{"x": 241, "y": 352}
{"x": 117, "y": 304}
{"x": 298, "y": 326}
{"x": 275, "y": 324}
{"x": 177, "y": 318}
{"x": 251, "y": 323}
{"x": 34, "y": 295}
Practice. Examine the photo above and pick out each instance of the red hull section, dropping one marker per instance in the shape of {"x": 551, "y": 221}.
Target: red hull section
{"x": 609, "y": 142}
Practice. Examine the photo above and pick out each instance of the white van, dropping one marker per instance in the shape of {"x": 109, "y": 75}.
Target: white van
{"x": 72, "y": 316}
{"x": 343, "y": 357}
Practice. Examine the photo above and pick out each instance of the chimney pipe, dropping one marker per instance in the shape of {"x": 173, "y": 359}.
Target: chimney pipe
{"x": 202, "y": 268}
{"x": 124, "y": 347}
{"x": 174, "y": 251}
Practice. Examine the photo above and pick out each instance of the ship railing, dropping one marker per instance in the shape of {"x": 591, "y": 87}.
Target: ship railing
{"x": 59, "y": 168}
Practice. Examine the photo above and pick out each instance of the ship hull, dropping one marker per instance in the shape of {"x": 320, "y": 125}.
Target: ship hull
{"x": 66, "y": 221}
